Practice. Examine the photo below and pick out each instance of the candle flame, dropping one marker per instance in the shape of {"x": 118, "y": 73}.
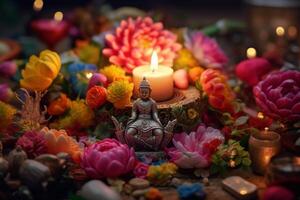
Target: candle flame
{"x": 260, "y": 115}
{"x": 89, "y": 75}
{"x": 251, "y": 52}
{"x": 266, "y": 129}
{"x": 58, "y": 16}
{"x": 243, "y": 191}
{"x": 154, "y": 61}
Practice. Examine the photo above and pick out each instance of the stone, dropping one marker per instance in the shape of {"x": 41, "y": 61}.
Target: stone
{"x": 139, "y": 193}
{"x": 96, "y": 190}
{"x": 139, "y": 183}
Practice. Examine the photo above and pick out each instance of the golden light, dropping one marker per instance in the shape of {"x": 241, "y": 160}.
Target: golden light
{"x": 266, "y": 129}
{"x": 38, "y": 5}
{"x": 251, "y": 52}
{"x": 58, "y": 16}
{"x": 243, "y": 191}
{"x": 292, "y": 32}
{"x": 89, "y": 75}
{"x": 280, "y": 31}
{"x": 154, "y": 61}
{"x": 260, "y": 115}
{"x": 232, "y": 163}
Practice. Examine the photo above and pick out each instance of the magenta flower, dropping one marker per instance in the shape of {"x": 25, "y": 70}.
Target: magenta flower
{"x": 33, "y": 143}
{"x": 134, "y": 41}
{"x": 8, "y": 68}
{"x": 278, "y": 95}
{"x": 253, "y": 70}
{"x": 5, "y": 92}
{"x": 194, "y": 150}
{"x": 107, "y": 158}
{"x": 205, "y": 49}
{"x": 98, "y": 79}
{"x": 140, "y": 170}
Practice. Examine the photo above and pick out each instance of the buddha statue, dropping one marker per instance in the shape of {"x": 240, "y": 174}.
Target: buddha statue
{"x": 144, "y": 131}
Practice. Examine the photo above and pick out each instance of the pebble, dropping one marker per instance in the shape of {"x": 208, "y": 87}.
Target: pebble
{"x": 139, "y": 183}
{"x": 175, "y": 182}
{"x": 141, "y": 192}
{"x": 205, "y": 181}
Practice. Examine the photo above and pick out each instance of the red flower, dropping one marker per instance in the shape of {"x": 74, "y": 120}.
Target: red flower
{"x": 96, "y": 96}
{"x": 141, "y": 170}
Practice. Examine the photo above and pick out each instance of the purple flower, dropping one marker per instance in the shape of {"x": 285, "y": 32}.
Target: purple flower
{"x": 8, "y": 68}
{"x": 96, "y": 79}
{"x": 205, "y": 49}
{"x": 278, "y": 95}
{"x": 5, "y": 92}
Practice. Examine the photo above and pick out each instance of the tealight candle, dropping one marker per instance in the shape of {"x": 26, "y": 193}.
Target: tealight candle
{"x": 262, "y": 147}
{"x": 159, "y": 77}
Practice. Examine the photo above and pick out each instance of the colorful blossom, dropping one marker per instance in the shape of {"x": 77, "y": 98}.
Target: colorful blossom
{"x": 87, "y": 53}
{"x": 161, "y": 174}
{"x": 205, "y": 50}
{"x": 96, "y": 96}
{"x": 5, "y": 92}
{"x": 278, "y": 95}
{"x": 107, "y": 158}
{"x": 33, "y": 143}
{"x": 194, "y": 150}
{"x": 220, "y": 95}
{"x": 252, "y": 70}
{"x": 195, "y": 73}
{"x": 119, "y": 93}
{"x": 7, "y": 113}
{"x": 185, "y": 59}
{"x": 140, "y": 170}
{"x": 153, "y": 194}
{"x": 80, "y": 76}
{"x": 40, "y": 72}
{"x": 58, "y": 141}
{"x": 113, "y": 72}
{"x": 134, "y": 41}
{"x": 8, "y": 68}
{"x": 98, "y": 79}
{"x": 59, "y": 105}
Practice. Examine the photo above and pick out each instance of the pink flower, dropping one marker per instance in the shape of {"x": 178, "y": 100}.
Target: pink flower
{"x": 195, "y": 149}
{"x": 278, "y": 95}
{"x": 140, "y": 170}
{"x": 205, "y": 49}
{"x": 5, "y": 92}
{"x": 8, "y": 68}
{"x": 98, "y": 79}
{"x": 252, "y": 70}
{"x": 33, "y": 143}
{"x": 134, "y": 41}
{"x": 107, "y": 158}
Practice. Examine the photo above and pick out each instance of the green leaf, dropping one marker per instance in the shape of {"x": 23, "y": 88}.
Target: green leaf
{"x": 241, "y": 120}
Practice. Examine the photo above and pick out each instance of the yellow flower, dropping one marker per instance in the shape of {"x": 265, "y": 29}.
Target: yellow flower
{"x": 185, "y": 59}
{"x": 7, "y": 113}
{"x": 41, "y": 71}
{"x": 79, "y": 115}
{"x": 192, "y": 113}
{"x": 119, "y": 93}
{"x": 161, "y": 174}
{"x": 113, "y": 72}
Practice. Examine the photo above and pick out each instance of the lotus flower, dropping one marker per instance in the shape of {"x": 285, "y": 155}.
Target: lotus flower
{"x": 134, "y": 41}
{"x": 205, "y": 50}
{"x": 58, "y": 141}
{"x": 33, "y": 143}
{"x": 220, "y": 95}
{"x": 278, "y": 95}
{"x": 252, "y": 70}
{"x": 195, "y": 149}
{"x": 41, "y": 71}
{"x": 107, "y": 158}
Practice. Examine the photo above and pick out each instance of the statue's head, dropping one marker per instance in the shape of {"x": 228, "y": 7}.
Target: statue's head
{"x": 145, "y": 89}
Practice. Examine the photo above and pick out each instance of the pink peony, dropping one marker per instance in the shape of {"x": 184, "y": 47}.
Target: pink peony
{"x": 134, "y": 41}
{"x": 140, "y": 170}
{"x": 252, "y": 70}
{"x": 205, "y": 49}
{"x": 195, "y": 149}
{"x": 278, "y": 95}
{"x": 107, "y": 158}
{"x": 33, "y": 143}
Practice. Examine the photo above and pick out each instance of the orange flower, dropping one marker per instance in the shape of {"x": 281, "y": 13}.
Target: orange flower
{"x": 59, "y": 106}
{"x": 58, "y": 141}
{"x": 195, "y": 73}
{"x": 215, "y": 85}
{"x": 96, "y": 96}
{"x": 153, "y": 194}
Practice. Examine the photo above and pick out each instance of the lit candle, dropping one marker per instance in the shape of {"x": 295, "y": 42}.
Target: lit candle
{"x": 262, "y": 147}
{"x": 251, "y": 52}
{"x": 159, "y": 77}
